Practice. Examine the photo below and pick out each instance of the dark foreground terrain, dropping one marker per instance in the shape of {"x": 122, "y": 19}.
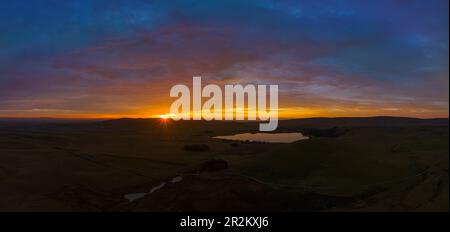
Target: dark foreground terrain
{"x": 349, "y": 164}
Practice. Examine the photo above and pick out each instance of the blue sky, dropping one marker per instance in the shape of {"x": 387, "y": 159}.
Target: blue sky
{"x": 119, "y": 58}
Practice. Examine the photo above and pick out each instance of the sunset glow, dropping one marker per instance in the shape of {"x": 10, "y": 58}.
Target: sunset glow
{"x": 329, "y": 59}
{"x": 166, "y": 116}
{"x": 247, "y": 106}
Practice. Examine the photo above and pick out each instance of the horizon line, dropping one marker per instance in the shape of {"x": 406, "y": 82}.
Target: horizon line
{"x": 155, "y": 117}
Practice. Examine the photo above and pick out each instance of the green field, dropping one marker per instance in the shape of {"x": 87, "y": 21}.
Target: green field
{"x": 369, "y": 164}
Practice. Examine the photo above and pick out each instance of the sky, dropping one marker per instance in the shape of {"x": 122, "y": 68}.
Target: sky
{"x": 107, "y": 59}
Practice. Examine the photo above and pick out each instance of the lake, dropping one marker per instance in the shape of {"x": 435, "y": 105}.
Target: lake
{"x": 266, "y": 137}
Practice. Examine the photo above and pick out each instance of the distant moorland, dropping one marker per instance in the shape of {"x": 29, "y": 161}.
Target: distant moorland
{"x": 348, "y": 164}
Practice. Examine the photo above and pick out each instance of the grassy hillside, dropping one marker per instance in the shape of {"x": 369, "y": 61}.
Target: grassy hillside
{"x": 370, "y": 164}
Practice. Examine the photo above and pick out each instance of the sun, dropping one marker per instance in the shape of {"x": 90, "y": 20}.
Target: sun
{"x": 165, "y": 116}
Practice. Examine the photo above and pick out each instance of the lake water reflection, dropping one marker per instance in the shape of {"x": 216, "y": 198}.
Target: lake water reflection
{"x": 266, "y": 137}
